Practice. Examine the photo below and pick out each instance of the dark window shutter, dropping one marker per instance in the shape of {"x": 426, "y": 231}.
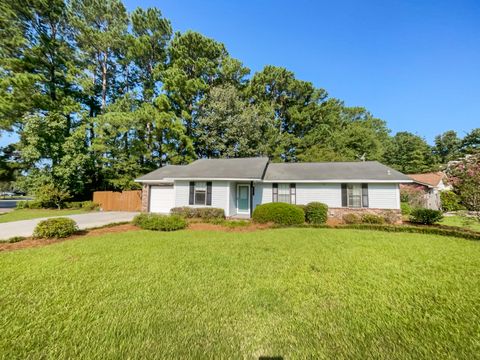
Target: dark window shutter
{"x": 209, "y": 193}
{"x": 274, "y": 192}
{"x": 293, "y": 193}
{"x": 192, "y": 193}
{"x": 344, "y": 195}
{"x": 365, "y": 195}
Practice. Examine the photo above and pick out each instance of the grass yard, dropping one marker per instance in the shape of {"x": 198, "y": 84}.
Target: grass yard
{"x": 461, "y": 221}
{"x": 27, "y": 214}
{"x": 295, "y": 293}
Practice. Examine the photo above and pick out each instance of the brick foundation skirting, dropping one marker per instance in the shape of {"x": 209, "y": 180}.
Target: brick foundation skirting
{"x": 145, "y": 196}
{"x": 337, "y": 213}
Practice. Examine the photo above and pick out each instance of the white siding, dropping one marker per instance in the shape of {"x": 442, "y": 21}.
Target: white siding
{"x": 233, "y": 199}
{"x": 220, "y": 194}
{"x": 258, "y": 194}
{"x": 330, "y": 194}
{"x": 181, "y": 193}
{"x": 383, "y": 196}
{"x": 266, "y": 193}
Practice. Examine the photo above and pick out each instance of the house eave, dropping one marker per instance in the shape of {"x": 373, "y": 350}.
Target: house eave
{"x": 169, "y": 180}
{"x": 330, "y": 181}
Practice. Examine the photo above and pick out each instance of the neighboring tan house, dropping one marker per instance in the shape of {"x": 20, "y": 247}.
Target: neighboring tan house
{"x": 239, "y": 185}
{"x": 431, "y": 184}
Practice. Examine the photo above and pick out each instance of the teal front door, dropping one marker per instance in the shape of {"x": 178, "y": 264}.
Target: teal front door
{"x": 243, "y": 199}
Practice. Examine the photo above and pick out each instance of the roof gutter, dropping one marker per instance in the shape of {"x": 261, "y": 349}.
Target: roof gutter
{"x": 196, "y": 179}
{"x": 329, "y": 181}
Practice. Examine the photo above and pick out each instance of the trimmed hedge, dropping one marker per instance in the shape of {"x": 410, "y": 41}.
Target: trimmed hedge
{"x": 372, "y": 219}
{"x": 303, "y": 207}
{"x": 87, "y": 205}
{"x": 33, "y": 204}
{"x": 60, "y": 227}
{"x": 390, "y": 217}
{"x": 206, "y": 213}
{"x": 160, "y": 222}
{"x": 470, "y": 235}
{"x": 30, "y": 204}
{"x": 279, "y": 213}
{"x": 316, "y": 213}
{"x": 13, "y": 239}
{"x": 433, "y": 230}
{"x": 425, "y": 216}
{"x": 351, "y": 218}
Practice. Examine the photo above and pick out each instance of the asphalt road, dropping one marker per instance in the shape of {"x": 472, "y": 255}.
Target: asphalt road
{"x": 84, "y": 221}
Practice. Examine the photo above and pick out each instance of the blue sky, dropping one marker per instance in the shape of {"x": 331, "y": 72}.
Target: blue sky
{"x": 415, "y": 64}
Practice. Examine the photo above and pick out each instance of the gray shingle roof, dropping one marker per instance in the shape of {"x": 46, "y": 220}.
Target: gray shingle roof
{"x": 368, "y": 170}
{"x": 256, "y": 168}
{"x": 239, "y": 168}
{"x": 169, "y": 171}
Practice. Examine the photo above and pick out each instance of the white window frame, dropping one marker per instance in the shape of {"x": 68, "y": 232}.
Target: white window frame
{"x": 350, "y": 190}
{"x": 200, "y": 187}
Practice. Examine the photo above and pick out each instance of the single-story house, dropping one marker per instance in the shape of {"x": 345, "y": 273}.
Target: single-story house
{"x": 239, "y": 185}
{"x": 430, "y": 185}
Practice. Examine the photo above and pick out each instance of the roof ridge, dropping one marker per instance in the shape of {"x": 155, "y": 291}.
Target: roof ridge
{"x": 327, "y": 162}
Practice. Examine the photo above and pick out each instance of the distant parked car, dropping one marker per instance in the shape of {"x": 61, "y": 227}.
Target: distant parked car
{"x": 7, "y": 193}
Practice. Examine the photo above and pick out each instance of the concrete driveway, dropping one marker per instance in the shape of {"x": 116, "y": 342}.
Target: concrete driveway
{"x": 84, "y": 221}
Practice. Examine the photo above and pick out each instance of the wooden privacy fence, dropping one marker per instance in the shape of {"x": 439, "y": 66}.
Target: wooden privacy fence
{"x": 119, "y": 201}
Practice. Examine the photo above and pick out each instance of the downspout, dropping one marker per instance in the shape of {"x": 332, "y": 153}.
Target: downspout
{"x": 252, "y": 189}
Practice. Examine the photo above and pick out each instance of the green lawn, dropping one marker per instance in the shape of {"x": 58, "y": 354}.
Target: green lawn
{"x": 27, "y": 214}
{"x": 461, "y": 221}
{"x": 295, "y": 293}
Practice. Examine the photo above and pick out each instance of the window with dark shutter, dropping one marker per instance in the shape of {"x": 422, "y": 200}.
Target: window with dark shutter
{"x": 274, "y": 192}
{"x": 209, "y": 193}
{"x": 200, "y": 193}
{"x": 191, "y": 196}
{"x": 365, "y": 195}
{"x": 344, "y": 195}
{"x": 293, "y": 193}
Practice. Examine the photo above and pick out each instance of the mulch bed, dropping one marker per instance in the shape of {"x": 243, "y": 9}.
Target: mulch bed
{"x": 194, "y": 226}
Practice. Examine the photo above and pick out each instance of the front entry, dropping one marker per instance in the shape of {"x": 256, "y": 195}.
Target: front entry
{"x": 243, "y": 199}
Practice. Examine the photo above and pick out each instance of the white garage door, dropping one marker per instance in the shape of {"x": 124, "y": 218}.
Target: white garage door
{"x": 162, "y": 198}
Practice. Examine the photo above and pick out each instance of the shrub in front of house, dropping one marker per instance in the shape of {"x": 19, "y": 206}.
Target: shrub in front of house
{"x": 391, "y": 217}
{"x": 205, "y": 213}
{"x": 279, "y": 213}
{"x": 425, "y": 216}
{"x": 55, "y": 228}
{"x": 450, "y": 201}
{"x": 372, "y": 219}
{"x": 301, "y": 206}
{"x": 405, "y": 208}
{"x": 14, "y": 239}
{"x": 316, "y": 213}
{"x": 160, "y": 222}
{"x": 351, "y": 218}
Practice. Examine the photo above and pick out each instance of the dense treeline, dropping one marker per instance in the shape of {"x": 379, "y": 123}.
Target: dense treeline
{"x": 99, "y": 96}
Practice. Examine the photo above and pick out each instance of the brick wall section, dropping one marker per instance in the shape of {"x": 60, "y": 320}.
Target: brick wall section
{"x": 337, "y": 213}
{"x": 145, "y": 190}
